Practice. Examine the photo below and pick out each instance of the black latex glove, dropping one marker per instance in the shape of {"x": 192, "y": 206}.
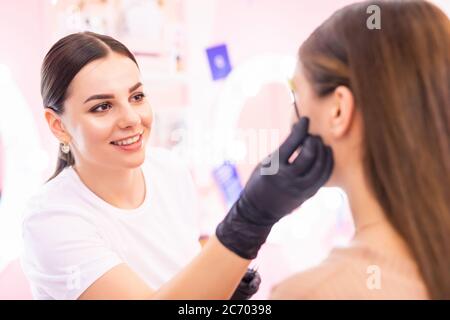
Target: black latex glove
{"x": 248, "y": 286}
{"x": 267, "y": 198}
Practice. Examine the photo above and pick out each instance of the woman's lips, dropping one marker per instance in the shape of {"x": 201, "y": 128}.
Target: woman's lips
{"x": 123, "y": 139}
{"x": 131, "y": 147}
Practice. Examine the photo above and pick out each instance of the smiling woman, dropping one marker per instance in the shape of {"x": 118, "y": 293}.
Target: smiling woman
{"x": 78, "y": 97}
{"x": 115, "y": 223}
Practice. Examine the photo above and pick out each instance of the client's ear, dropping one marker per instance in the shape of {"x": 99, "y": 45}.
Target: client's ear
{"x": 342, "y": 112}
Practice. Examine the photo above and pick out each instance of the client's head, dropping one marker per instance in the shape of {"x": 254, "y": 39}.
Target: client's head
{"x": 381, "y": 99}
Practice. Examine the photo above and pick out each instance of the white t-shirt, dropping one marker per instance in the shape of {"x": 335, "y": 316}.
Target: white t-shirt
{"x": 72, "y": 237}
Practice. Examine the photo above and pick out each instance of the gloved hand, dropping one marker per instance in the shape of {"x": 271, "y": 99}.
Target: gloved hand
{"x": 248, "y": 286}
{"x": 267, "y": 198}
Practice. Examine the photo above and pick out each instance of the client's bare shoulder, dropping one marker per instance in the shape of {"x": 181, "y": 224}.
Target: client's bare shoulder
{"x": 355, "y": 273}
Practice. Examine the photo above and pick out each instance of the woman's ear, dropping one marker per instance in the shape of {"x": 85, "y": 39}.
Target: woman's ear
{"x": 342, "y": 112}
{"x": 56, "y": 126}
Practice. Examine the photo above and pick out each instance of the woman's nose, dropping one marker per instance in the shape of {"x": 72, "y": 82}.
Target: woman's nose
{"x": 128, "y": 116}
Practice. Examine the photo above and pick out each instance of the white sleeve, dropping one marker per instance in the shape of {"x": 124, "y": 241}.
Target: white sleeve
{"x": 63, "y": 253}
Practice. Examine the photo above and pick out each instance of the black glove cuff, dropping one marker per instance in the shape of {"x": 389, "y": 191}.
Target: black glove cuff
{"x": 241, "y": 235}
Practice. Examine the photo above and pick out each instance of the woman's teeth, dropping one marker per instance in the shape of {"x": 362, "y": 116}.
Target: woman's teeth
{"x": 127, "y": 141}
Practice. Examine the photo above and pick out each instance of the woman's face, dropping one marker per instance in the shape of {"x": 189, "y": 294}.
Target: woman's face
{"x": 309, "y": 104}
{"x": 106, "y": 104}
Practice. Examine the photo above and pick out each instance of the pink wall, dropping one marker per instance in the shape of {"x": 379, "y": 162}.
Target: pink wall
{"x": 24, "y": 34}
{"x": 257, "y": 26}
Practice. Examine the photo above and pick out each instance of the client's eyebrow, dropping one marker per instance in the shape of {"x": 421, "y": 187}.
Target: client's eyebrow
{"x": 111, "y": 96}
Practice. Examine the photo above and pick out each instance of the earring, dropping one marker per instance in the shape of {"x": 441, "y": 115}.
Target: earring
{"x": 65, "y": 148}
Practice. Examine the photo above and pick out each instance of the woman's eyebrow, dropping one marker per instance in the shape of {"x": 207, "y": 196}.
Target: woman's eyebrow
{"x": 137, "y": 85}
{"x": 111, "y": 96}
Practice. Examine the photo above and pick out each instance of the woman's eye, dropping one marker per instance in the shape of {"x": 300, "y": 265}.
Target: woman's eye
{"x": 101, "y": 107}
{"x": 138, "y": 97}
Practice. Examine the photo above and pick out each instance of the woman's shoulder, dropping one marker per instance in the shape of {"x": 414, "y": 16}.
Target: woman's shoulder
{"x": 58, "y": 194}
{"x": 298, "y": 285}
{"x": 355, "y": 272}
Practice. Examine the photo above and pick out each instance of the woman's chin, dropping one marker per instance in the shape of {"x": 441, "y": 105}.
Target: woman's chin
{"x": 133, "y": 162}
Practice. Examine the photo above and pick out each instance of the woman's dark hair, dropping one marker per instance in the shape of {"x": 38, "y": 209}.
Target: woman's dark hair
{"x": 61, "y": 64}
{"x": 400, "y": 79}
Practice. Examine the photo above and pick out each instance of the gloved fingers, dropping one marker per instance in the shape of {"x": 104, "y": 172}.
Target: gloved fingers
{"x": 305, "y": 160}
{"x": 315, "y": 172}
{"x": 328, "y": 168}
{"x": 321, "y": 171}
{"x": 248, "y": 286}
{"x": 240, "y": 294}
{"x": 294, "y": 140}
{"x": 253, "y": 286}
{"x": 248, "y": 276}
{"x": 255, "y": 282}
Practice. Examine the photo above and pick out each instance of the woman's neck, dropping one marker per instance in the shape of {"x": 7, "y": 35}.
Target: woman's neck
{"x": 122, "y": 188}
{"x": 372, "y": 227}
